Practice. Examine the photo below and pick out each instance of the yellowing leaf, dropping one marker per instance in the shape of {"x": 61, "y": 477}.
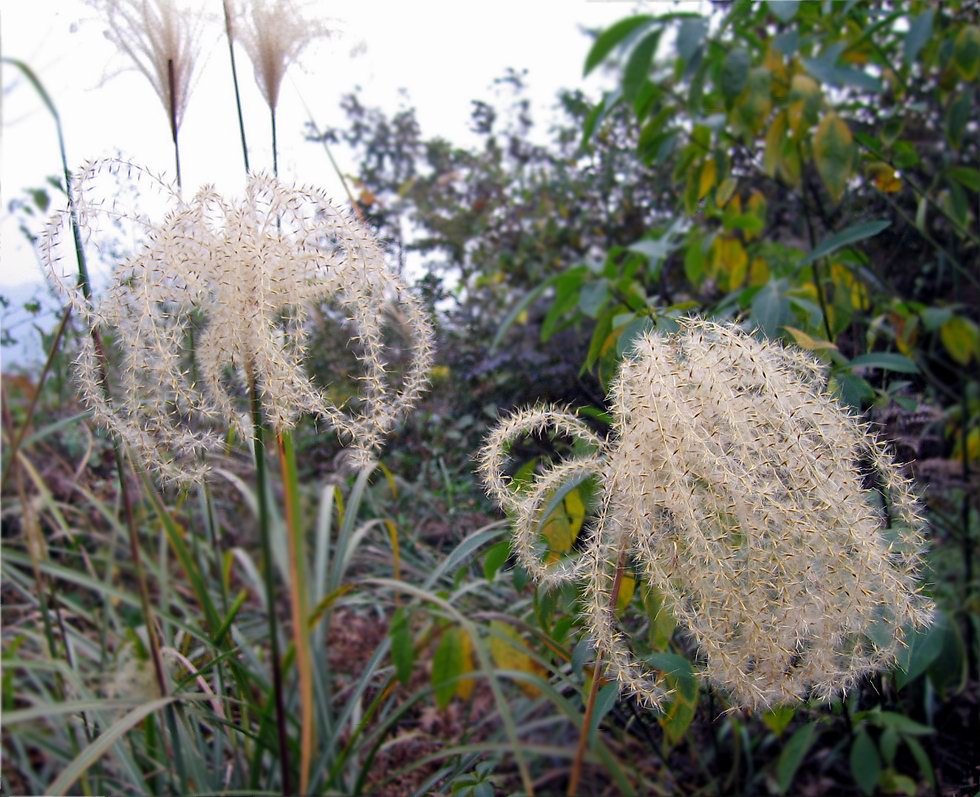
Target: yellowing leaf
{"x": 885, "y": 178}
{"x": 753, "y": 105}
{"x": 775, "y": 139}
{"x": 804, "y": 341}
{"x": 847, "y": 287}
{"x": 453, "y": 657}
{"x": 966, "y": 52}
{"x": 725, "y": 190}
{"x": 758, "y": 207}
{"x": 508, "y": 654}
{"x": 662, "y": 620}
{"x": 627, "y": 586}
{"x": 706, "y": 177}
{"x": 758, "y": 272}
{"x": 729, "y": 262}
{"x": 776, "y": 64}
{"x": 562, "y": 527}
{"x": 790, "y": 164}
{"x": 961, "y": 339}
{"x": 833, "y": 150}
{"x": 804, "y": 103}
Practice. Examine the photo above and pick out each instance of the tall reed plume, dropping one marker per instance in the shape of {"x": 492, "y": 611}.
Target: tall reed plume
{"x": 253, "y": 269}
{"x": 782, "y": 535}
{"x": 274, "y": 33}
{"x": 163, "y": 41}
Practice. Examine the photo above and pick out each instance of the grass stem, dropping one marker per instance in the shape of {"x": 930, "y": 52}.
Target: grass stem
{"x": 583, "y": 739}
{"x": 298, "y": 604}
{"x": 270, "y": 594}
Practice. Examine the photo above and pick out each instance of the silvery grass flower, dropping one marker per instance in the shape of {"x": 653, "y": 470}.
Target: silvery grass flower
{"x": 163, "y": 41}
{"x": 274, "y": 34}
{"x": 783, "y": 537}
{"x": 251, "y": 270}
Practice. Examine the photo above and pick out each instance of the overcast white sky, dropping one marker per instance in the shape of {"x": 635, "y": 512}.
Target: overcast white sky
{"x": 444, "y": 54}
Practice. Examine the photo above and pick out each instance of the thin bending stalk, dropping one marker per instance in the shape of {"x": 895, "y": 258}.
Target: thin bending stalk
{"x": 173, "y": 117}
{"x": 234, "y": 80}
{"x": 583, "y": 739}
{"x": 270, "y": 594}
{"x": 298, "y": 604}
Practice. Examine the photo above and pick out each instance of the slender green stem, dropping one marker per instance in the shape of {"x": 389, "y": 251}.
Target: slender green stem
{"x": 355, "y": 205}
{"x": 173, "y": 117}
{"x": 275, "y": 144}
{"x": 270, "y": 595}
{"x": 298, "y": 604}
{"x": 234, "y": 80}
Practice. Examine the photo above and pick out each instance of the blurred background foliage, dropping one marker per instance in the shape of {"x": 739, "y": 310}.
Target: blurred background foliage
{"x": 810, "y": 170}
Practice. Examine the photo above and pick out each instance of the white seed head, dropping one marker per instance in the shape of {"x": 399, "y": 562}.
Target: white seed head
{"x": 781, "y": 534}
{"x": 245, "y": 275}
{"x": 274, "y": 33}
{"x": 159, "y": 37}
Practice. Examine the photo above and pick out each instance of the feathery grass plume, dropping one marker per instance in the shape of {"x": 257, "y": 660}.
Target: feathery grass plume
{"x": 274, "y": 34}
{"x": 740, "y": 489}
{"x": 163, "y": 40}
{"x": 253, "y": 269}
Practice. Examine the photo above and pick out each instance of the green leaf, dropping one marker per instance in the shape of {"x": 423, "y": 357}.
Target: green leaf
{"x": 921, "y": 759}
{"x": 495, "y": 558}
{"x": 957, "y": 116}
{"x": 734, "y": 73}
{"x": 961, "y": 338}
{"x": 776, "y": 719}
{"x": 886, "y": 361}
{"x": 628, "y": 337}
{"x": 638, "y": 65}
{"x": 833, "y": 151}
{"x": 101, "y": 745}
{"x": 865, "y": 763}
{"x": 568, "y": 288}
{"x": 888, "y": 744}
{"x": 923, "y": 648}
{"x": 793, "y": 753}
{"x": 592, "y": 119}
{"x": 662, "y": 620}
{"x": 895, "y": 783}
{"x": 966, "y": 52}
{"x": 920, "y": 29}
{"x": 901, "y": 723}
{"x": 448, "y": 664}
{"x": 681, "y": 710}
{"x": 612, "y": 37}
{"x": 519, "y": 308}
{"x": 967, "y": 176}
{"x": 402, "y": 645}
{"x": 846, "y": 237}
{"x": 604, "y": 702}
{"x": 690, "y": 34}
{"x": 592, "y": 298}
{"x": 783, "y": 10}
{"x": 770, "y": 308}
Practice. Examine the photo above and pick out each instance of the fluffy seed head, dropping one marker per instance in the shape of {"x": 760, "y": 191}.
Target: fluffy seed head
{"x": 274, "y": 33}
{"x": 159, "y": 37}
{"x": 242, "y": 278}
{"x": 781, "y": 534}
